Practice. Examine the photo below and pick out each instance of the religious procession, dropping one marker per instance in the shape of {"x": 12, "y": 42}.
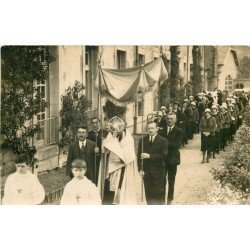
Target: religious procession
{"x": 107, "y": 157}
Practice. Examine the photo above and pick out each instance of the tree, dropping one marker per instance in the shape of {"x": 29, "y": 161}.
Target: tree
{"x": 73, "y": 113}
{"x": 21, "y": 100}
{"x": 244, "y": 69}
{"x": 175, "y": 72}
{"x": 197, "y": 69}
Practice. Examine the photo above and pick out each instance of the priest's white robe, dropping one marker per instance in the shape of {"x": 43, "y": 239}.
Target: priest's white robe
{"x": 120, "y": 154}
{"x": 23, "y": 189}
{"x": 80, "y": 192}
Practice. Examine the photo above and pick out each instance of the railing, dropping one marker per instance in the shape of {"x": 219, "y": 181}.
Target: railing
{"x": 48, "y": 134}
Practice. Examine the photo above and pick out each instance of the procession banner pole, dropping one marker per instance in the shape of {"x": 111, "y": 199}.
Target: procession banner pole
{"x": 103, "y": 163}
{"x": 142, "y": 148}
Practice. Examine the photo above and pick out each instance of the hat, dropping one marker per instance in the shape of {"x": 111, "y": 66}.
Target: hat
{"x": 230, "y": 105}
{"x": 191, "y": 97}
{"x": 228, "y": 99}
{"x": 233, "y": 101}
{"x": 193, "y": 103}
{"x": 224, "y": 105}
{"x": 214, "y": 107}
{"x": 207, "y": 110}
{"x": 163, "y": 107}
{"x": 186, "y": 100}
{"x": 176, "y": 103}
{"x": 159, "y": 113}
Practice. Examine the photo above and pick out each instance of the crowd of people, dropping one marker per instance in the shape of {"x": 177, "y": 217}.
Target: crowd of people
{"x": 216, "y": 119}
{"x": 104, "y": 167}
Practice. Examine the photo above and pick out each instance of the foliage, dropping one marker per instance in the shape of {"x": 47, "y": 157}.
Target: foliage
{"x": 73, "y": 113}
{"x": 164, "y": 91}
{"x": 244, "y": 69}
{"x": 226, "y": 196}
{"x": 197, "y": 69}
{"x": 112, "y": 110}
{"x": 175, "y": 72}
{"x": 21, "y": 100}
{"x": 235, "y": 172}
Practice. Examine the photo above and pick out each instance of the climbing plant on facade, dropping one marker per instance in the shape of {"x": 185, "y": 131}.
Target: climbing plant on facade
{"x": 21, "y": 101}
{"x": 197, "y": 69}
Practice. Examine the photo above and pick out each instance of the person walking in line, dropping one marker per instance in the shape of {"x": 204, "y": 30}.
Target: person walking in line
{"x": 207, "y": 127}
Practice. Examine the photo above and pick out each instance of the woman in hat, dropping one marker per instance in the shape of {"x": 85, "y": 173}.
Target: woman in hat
{"x": 226, "y": 118}
{"x": 217, "y": 116}
{"x": 207, "y": 127}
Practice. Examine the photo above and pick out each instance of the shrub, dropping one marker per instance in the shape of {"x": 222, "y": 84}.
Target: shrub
{"x": 73, "y": 112}
{"x": 235, "y": 172}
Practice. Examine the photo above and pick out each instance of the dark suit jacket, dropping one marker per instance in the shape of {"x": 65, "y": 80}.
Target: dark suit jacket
{"x": 74, "y": 152}
{"x": 174, "y": 142}
{"x": 158, "y": 152}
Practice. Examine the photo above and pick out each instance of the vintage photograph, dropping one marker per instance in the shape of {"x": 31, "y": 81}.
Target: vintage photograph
{"x": 125, "y": 125}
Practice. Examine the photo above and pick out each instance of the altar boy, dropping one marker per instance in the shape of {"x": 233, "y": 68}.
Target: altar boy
{"x": 23, "y": 187}
{"x": 80, "y": 190}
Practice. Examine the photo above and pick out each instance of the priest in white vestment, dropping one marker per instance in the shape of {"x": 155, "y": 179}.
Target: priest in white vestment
{"x": 118, "y": 176}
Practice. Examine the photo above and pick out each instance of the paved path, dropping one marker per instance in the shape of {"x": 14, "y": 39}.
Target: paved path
{"x": 193, "y": 179}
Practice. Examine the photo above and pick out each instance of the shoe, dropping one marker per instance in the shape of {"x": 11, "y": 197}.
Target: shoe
{"x": 207, "y": 160}
{"x": 203, "y": 161}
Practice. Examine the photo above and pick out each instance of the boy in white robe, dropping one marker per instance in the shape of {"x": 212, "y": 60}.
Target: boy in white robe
{"x": 23, "y": 187}
{"x": 80, "y": 190}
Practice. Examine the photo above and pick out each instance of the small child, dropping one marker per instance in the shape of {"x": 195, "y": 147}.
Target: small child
{"x": 23, "y": 187}
{"x": 80, "y": 190}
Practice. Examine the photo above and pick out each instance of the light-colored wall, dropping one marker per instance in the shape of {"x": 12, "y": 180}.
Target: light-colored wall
{"x": 229, "y": 68}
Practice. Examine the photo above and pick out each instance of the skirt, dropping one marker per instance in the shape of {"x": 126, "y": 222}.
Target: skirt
{"x": 207, "y": 142}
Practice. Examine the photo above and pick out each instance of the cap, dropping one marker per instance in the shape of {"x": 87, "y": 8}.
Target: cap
{"x": 193, "y": 103}
{"x": 163, "y": 107}
{"x": 207, "y": 110}
{"x": 214, "y": 107}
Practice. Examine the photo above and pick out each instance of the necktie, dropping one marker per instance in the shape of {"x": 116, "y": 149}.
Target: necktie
{"x": 151, "y": 140}
{"x": 82, "y": 147}
{"x": 169, "y": 129}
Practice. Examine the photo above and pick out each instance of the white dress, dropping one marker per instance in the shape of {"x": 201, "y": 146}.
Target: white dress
{"x": 23, "y": 189}
{"x": 80, "y": 192}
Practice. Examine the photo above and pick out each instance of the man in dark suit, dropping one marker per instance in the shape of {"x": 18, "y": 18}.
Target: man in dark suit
{"x": 151, "y": 164}
{"x": 174, "y": 137}
{"x": 84, "y": 149}
{"x": 96, "y": 135}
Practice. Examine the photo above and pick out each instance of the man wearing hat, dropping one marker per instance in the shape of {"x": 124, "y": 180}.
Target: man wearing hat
{"x": 207, "y": 127}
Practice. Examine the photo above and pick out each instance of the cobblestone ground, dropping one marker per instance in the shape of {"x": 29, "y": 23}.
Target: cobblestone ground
{"x": 193, "y": 180}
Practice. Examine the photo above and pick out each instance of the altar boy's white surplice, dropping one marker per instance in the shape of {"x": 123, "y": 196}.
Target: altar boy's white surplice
{"x": 80, "y": 192}
{"x": 23, "y": 189}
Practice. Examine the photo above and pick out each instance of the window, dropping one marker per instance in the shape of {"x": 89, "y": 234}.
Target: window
{"x": 41, "y": 116}
{"x": 139, "y": 107}
{"x": 121, "y": 59}
{"x": 185, "y": 67}
{"x": 229, "y": 83}
{"x": 88, "y": 85}
{"x": 141, "y": 59}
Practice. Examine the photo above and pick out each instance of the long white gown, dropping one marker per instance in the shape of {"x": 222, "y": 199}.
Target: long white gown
{"x": 80, "y": 192}
{"x": 23, "y": 189}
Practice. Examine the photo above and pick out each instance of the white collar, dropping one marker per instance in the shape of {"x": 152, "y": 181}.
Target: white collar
{"x": 171, "y": 127}
{"x": 84, "y": 143}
